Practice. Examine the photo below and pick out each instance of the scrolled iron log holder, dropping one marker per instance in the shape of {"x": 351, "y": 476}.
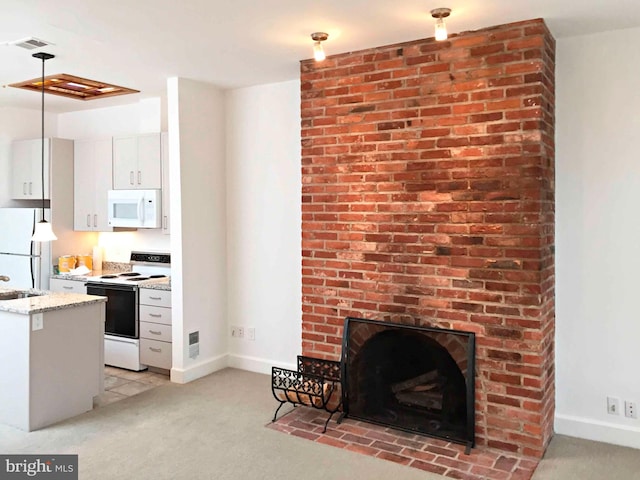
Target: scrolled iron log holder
{"x": 315, "y": 384}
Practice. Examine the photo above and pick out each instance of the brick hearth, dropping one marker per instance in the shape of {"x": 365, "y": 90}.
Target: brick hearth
{"x": 415, "y": 451}
{"x": 428, "y": 176}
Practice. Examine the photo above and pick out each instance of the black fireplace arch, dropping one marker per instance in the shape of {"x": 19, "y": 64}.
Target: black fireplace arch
{"x": 412, "y": 378}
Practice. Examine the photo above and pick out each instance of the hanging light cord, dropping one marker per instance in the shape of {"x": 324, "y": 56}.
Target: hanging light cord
{"x": 42, "y": 141}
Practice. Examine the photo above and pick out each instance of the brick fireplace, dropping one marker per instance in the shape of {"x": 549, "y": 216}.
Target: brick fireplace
{"x": 428, "y": 199}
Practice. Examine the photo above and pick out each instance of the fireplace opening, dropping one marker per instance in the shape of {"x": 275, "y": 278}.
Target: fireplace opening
{"x": 416, "y": 379}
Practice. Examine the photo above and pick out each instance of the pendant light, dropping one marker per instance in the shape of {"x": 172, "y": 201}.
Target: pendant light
{"x": 43, "y": 231}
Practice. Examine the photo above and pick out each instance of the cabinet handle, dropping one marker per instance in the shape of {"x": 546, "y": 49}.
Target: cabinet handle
{"x": 155, "y": 332}
{"x": 67, "y": 287}
{"x": 131, "y": 177}
{"x": 30, "y": 188}
{"x": 157, "y": 350}
{"x": 156, "y": 315}
{"x": 155, "y": 298}
{"x": 95, "y": 220}
{"x": 139, "y": 177}
{"x": 88, "y": 220}
{"x": 24, "y": 188}
{"x": 164, "y": 222}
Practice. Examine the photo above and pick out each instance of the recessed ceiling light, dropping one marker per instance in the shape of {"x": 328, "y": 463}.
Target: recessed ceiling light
{"x": 74, "y": 87}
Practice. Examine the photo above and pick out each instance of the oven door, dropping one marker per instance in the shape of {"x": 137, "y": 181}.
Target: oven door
{"x": 121, "y": 317}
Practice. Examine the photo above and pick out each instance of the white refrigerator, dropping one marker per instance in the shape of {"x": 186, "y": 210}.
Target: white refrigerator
{"x": 26, "y": 263}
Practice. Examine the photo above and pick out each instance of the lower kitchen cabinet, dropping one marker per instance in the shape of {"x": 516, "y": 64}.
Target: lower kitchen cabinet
{"x": 155, "y": 328}
{"x": 67, "y": 286}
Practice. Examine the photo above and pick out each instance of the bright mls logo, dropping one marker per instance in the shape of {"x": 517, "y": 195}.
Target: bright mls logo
{"x": 52, "y": 467}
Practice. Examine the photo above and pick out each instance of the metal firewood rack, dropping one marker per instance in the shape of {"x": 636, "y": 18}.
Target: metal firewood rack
{"x": 316, "y": 384}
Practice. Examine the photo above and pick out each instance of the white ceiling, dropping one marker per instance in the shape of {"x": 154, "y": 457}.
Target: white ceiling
{"x": 235, "y": 43}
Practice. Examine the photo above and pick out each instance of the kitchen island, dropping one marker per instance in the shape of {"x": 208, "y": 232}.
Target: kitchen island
{"x": 52, "y": 350}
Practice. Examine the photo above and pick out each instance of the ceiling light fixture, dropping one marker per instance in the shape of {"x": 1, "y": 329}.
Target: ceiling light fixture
{"x": 43, "y": 231}
{"x": 441, "y": 29}
{"x": 75, "y": 87}
{"x": 318, "y": 51}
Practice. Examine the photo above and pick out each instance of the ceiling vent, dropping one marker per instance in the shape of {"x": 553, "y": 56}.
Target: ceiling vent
{"x": 30, "y": 43}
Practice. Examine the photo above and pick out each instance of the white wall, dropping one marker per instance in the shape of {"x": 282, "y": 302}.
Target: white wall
{"x": 19, "y": 124}
{"x": 198, "y": 223}
{"x": 143, "y": 116}
{"x": 597, "y": 234}
{"x": 264, "y": 224}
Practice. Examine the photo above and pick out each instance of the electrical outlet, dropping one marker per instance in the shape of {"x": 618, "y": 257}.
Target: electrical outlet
{"x": 251, "y": 333}
{"x": 630, "y": 409}
{"x": 613, "y": 406}
{"x": 240, "y": 332}
{"x": 37, "y": 321}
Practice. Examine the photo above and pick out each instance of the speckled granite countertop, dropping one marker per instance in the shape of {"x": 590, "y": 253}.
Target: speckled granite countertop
{"x": 45, "y": 301}
{"x": 155, "y": 283}
{"x": 83, "y": 278}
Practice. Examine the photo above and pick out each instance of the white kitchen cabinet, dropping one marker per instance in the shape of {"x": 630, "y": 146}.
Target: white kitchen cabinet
{"x": 92, "y": 162}
{"x": 136, "y": 162}
{"x": 166, "y": 212}
{"x": 67, "y": 286}
{"x": 155, "y": 328}
{"x": 26, "y": 169}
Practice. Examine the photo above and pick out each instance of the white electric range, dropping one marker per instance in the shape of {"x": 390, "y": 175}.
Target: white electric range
{"x": 122, "y": 333}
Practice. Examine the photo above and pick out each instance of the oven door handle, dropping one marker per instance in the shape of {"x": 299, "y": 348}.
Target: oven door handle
{"x": 111, "y": 286}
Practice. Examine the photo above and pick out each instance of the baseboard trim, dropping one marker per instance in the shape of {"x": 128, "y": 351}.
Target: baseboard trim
{"x": 257, "y": 365}
{"x": 199, "y": 370}
{"x": 598, "y": 431}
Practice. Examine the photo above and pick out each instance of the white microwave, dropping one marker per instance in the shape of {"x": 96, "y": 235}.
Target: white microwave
{"x": 134, "y": 208}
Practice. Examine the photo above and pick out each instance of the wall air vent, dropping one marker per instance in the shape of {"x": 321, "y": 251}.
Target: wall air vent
{"x": 73, "y": 87}
{"x": 30, "y": 43}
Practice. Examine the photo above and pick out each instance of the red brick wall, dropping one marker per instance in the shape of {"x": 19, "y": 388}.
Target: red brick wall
{"x": 428, "y": 199}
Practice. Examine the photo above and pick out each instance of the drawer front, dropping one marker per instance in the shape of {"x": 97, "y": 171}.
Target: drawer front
{"x": 67, "y": 286}
{"x": 149, "y": 313}
{"x": 161, "y": 298}
{"x": 155, "y": 354}
{"x": 155, "y": 331}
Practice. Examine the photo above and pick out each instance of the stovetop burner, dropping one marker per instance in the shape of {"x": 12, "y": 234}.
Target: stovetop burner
{"x": 145, "y": 266}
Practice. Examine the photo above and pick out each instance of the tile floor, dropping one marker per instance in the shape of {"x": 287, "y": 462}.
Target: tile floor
{"x": 120, "y": 384}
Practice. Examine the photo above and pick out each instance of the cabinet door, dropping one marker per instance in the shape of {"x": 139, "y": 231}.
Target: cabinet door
{"x": 103, "y": 168}
{"x": 21, "y": 155}
{"x": 166, "y": 213}
{"x": 83, "y": 185}
{"x": 92, "y": 179}
{"x": 125, "y": 162}
{"x": 148, "y": 174}
{"x": 26, "y": 169}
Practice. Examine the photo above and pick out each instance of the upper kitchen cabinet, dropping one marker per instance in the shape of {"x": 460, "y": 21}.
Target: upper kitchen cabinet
{"x": 166, "y": 213}
{"x": 92, "y": 162}
{"x": 137, "y": 162}
{"x": 26, "y": 166}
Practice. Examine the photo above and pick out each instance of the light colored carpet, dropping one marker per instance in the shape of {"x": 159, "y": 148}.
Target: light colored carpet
{"x": 213, "y": 428}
